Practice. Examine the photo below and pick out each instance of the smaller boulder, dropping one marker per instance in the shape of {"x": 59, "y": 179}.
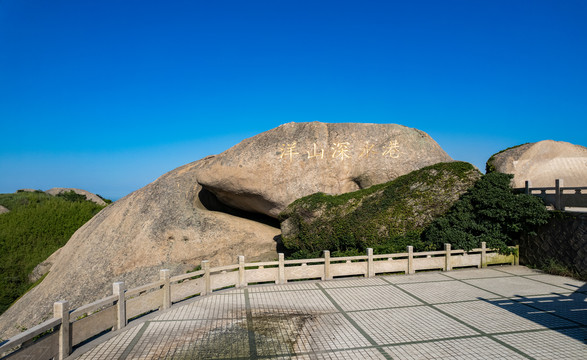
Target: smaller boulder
{"x": 89, "y": 196}
{"x": 542, "y": 163}
{"x": 3, "y": 210}
{"x": 44, "y": 267}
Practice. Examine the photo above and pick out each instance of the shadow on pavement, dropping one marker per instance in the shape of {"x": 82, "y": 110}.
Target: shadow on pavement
{"x": 555, "y": 311}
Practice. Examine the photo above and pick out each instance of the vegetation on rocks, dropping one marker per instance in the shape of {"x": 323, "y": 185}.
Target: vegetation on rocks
{"x": 490, "y": 166}
{"x": 37, "y": 225}
{"x": 386, "y": 217}
{"x": 443, "y": 203}
{"x": 489, "y": 212}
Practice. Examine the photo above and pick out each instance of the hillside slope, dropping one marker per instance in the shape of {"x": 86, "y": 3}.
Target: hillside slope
{"x": 36, "y": 226}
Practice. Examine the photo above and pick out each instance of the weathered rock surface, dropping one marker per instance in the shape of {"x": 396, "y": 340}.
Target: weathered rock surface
{"x": 3, "y": 210}
{"x": 175, "y": 222}
{"x": 163, "y": 225}
{"x": 89, "y": 196}
{"x": 267, "y": 172}
{"x": 543, "y": 162}
{"x": 44, "y": 267}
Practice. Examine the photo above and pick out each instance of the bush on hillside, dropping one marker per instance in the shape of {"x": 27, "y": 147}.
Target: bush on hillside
{"x": 72, "y": 196}
{"x": 489, "y": 212}
{"x": 37, "y": 225}
{"x": 386, "y": 217}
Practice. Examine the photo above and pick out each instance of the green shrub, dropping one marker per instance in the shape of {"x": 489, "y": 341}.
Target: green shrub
{"x": 386, "y": 217}
{"x": 107, "y": 201}
{"x": 72, "y": 196}
{"x": 489, "y": 212}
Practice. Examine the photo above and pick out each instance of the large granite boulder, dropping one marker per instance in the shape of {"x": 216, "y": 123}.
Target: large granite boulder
{"x": 3, "y": 210}
{"x": 267, "y": 172}
{"x": 163, "y": 225}
{"x": 183, "y": 217}
{"x": 542, "y": 163}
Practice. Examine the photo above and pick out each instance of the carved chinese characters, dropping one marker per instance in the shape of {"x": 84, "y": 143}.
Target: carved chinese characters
{"x": 340, "y": 151}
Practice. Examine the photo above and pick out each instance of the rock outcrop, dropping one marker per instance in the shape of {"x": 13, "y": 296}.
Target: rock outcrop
{"x": 89, "y": 196}
{"x": 163, "y": 225}
{"x": 44, "y": 267}
{"x": 216, "y": 209}
{"x": 385, "y": 217}
{"x": 267, "y": 172}
{"x": 3, "y": 210}
{"x": 542, "y": 163}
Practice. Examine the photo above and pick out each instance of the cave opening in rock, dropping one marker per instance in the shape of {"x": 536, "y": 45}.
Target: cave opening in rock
{"x": 212, "y": 203}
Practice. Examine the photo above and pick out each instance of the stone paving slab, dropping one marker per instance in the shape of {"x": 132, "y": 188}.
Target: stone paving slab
{"x": 497, "y": 313}
{"x": 548, "y": 345}
{"x": 515, "y": 286}
{"x": 417, "y": 278}
{"x": 499, "y": 316}
{"x": 347, "y": 283}
{"x": 564, "y": 282}
{"x": 446, "y": 291}
{"x": 370, "y": 298}
{"x": 458, "y": 349}
{"x": 404, "y": 325}
{"x": 518, "y": 270}
{"x": 475, "y": 273}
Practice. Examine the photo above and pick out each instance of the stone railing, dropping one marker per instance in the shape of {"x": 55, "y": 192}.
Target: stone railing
{"x": 55, "y": 338}
{"x": 558, "y": 196}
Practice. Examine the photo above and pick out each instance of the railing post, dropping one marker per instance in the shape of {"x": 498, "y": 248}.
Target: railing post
{"x": 206, "y": 268}
{"x": 241, "y": 271}
{"x": 558, "y": 198}
{"x": 281, "y": 273}
{"x": 447, "y": 259}
{"x": 411, "y": 269}
{"x": 517, "y": 255}
{"x": 61, "y": 310}
{"x": 327, "y": 275}
{"x": 165, "y": 275}
{"x": 370, "y": 267}
{"x": 527, "y": 190}
{"x": 118, "y": 290}
{"x": 483, "y": 263}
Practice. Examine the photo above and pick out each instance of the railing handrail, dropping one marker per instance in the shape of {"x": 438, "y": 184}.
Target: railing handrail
{"x": 557, "y": 196}
{"x": 323, "y": 268}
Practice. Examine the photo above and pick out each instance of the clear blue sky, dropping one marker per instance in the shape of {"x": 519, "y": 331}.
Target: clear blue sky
{"x": 108, "y": 95}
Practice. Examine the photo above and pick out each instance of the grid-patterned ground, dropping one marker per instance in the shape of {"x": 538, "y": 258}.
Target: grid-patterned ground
{"x": 498, "y": 313}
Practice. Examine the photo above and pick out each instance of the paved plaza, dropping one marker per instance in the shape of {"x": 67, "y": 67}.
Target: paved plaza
{"x": 506, "y": 312}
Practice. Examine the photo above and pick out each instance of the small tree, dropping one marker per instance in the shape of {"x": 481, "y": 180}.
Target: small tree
{"x": 489, "y": 212}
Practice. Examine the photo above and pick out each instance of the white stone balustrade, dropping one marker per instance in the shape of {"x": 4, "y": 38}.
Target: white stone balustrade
{"x": 55, "y": 337}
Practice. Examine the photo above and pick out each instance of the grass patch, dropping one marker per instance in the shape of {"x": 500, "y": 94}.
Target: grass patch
{"x": 37, "y": 225}
{"x": 555, "y": 267}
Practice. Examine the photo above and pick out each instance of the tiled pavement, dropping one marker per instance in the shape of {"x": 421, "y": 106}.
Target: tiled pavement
{"x": 508, "y": 312}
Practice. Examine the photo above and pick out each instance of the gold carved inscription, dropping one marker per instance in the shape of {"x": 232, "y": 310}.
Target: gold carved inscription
{"x": 288, "y": 150}
{"x": 367, "y": 149}
{"x": 392, "y": 149}
{"x": 340, "y": 150}
{"x": 316, "y": 154}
